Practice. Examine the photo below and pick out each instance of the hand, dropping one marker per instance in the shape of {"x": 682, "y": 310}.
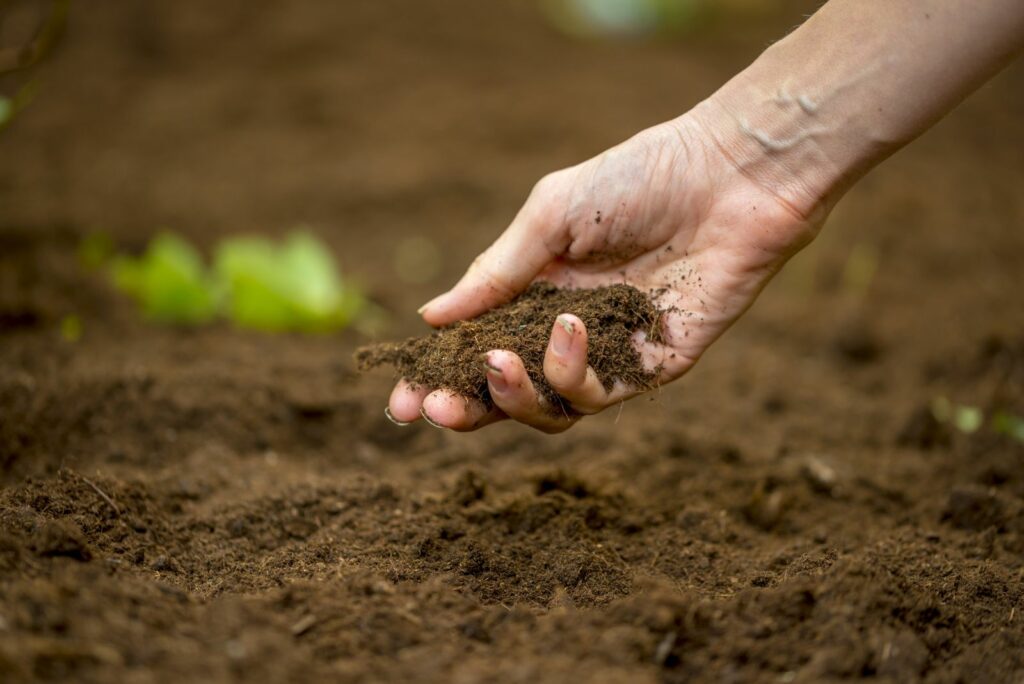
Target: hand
{"x": 666, "y": 211}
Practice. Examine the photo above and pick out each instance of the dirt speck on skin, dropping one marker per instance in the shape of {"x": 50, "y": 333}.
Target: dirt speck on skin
{"x": 454, "y": 356}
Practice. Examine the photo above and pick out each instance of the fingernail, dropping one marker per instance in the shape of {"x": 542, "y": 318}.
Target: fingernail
{"x": 495, "y": 377}
{"x": 399, "y": 423}
{"x": 562, "y": 336}
{"x": 430, "y": 420}
{"x": 427, "y": 305}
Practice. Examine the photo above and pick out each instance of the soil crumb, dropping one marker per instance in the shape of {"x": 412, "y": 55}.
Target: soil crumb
{"x": 453, "y": 357}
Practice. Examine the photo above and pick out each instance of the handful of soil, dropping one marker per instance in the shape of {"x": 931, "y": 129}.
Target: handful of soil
{"x": 453, "y": 357}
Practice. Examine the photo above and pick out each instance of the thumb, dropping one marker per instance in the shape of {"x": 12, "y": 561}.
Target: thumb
{"x": 506, "y": 267}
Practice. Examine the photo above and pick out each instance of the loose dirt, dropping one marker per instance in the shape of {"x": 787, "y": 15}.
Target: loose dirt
{"x": 218, "y": 506}
{"x": 455, "y": 356}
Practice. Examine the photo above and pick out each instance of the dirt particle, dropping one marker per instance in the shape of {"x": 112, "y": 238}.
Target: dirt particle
{"x": 766, "y": 506}
{"x": 819, "y": 475}
{"x": 165, "y": 563}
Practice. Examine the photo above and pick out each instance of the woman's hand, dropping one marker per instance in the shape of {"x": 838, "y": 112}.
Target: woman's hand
{"x": 702, "y": 211}
{"x": 667, "y": 212}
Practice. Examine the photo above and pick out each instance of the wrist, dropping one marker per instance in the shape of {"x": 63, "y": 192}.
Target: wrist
{"x": 777, "y": 145}
{"x": 803, "y": 122}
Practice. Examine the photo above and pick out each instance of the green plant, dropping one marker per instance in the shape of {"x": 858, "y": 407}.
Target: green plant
{"x": 1008, "y": 424}
{"x": 20, "y": 61}
{"x": 255, "y": 282}
{"x": 969, "y": 419}
{"x": 293, "y": 286}
{"x": 169, "y": 281}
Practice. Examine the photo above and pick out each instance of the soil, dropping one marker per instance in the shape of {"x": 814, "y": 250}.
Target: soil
{"x": 225, "y": 506}
{"x": 454, "y": 357}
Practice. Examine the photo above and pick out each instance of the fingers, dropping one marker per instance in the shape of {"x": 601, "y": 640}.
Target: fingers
{"x": 566, "y": 369}
{"x": 513, "y": 393}
{"x": 441, "y": 408}
{"x": 445, "y": 409}
{"x": 506, "y": 267}
{"x": 405, "y": 402}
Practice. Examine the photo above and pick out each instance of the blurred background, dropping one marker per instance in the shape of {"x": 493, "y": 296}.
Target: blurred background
{"x": 405, "y": 135}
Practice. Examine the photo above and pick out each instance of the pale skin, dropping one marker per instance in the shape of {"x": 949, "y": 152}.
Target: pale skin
{"x": 704, "y": 209}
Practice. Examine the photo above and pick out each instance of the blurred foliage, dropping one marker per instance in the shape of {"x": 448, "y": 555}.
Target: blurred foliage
{"x": 293, "y": 286}
{"x": 71, "y": 328}
{"x": 593, "y": 18}
{"x": 169, "y": 280}
{"x": 602, "y": 17}
{"x": 969, "y": 419}
{"x": 18, "y": 61}
{"x": 255, "y": 283}
{"x": 1008, "y": 424}
{"x": 41, "y": 43}
{"x": 11, "y": 106}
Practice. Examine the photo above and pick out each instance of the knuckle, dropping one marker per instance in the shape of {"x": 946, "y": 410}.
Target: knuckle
{"x": 545, "y": 186}
{"x": 490, "y": 280}
{"x": 562, "y": 381}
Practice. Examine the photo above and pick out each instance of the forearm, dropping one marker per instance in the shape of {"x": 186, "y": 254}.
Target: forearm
{"x": 860, "y": 79}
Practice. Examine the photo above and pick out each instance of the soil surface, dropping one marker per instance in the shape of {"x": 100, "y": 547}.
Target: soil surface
{"x": 455, "y": 356}
{"x": 217, "y": 505}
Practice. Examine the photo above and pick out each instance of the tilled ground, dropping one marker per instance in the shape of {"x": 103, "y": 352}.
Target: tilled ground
{"x": 225, "y": 506}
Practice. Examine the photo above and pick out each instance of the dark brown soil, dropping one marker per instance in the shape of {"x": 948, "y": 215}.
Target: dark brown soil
{"x": 213, "y": 505}
{"x": 454, "y": 357}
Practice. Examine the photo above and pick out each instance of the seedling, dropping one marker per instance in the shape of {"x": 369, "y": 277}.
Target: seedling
{"x": 169, "y": 281}
{"x": 969, "y": 419}
{"x": 294, "y": 286}
{"x": 1008, "y": 424}
{"x": 23, "y": 59}
{"x": 255, "y": 283}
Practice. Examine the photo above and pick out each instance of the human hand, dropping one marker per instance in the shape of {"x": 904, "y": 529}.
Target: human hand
{"x": 668, "y": 212}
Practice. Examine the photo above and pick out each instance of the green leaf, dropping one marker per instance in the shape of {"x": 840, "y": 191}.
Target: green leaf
{"x": 964, "y": 418}
{"x": 257, "y": 283}
{"x": 1008, "y": 424}
{"x": 6, "y": 110}
{"x": 294, "y": 286}
{"x": 169, "y": 281}
{"x": 968, "y": 418}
